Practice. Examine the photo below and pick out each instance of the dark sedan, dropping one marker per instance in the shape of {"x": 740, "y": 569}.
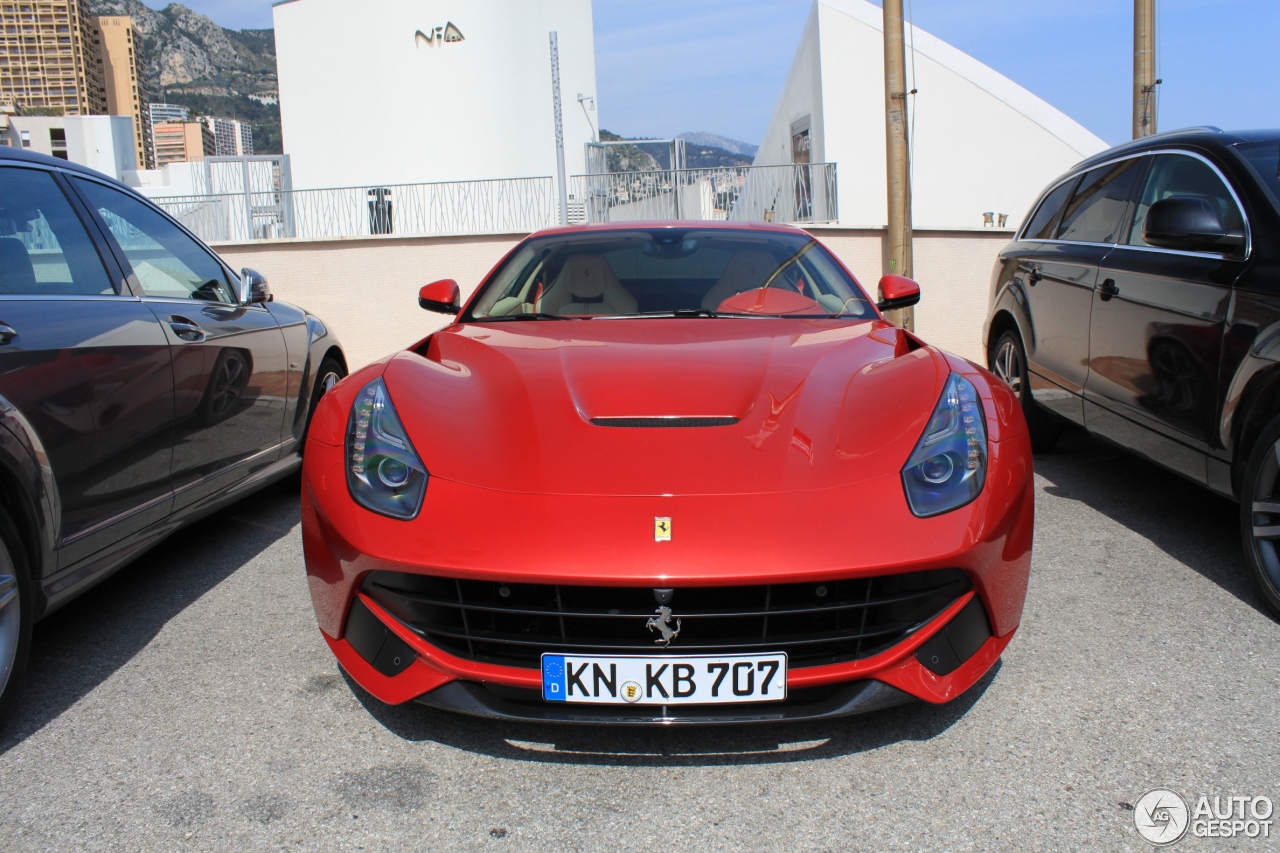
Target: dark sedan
{"x": 143, "y": 385}
{"x": 1141, "y": 300}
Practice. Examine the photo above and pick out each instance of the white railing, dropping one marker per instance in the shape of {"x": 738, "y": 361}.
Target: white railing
{"x": 460, "y": 207}
{"x": 800, "y": 194}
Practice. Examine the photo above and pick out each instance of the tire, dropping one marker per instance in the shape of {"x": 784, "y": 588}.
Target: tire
{"x": 15, "y": 613}
{"x": 1259, "y": 522}
{"x": 331, "y": 372}
{"x": 1008, "y": 360}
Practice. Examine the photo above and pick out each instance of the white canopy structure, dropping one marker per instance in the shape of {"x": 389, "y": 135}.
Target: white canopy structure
{"x": 981, "y": 143}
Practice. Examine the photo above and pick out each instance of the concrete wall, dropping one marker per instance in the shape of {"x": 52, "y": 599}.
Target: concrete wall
{"x": 104, "y": 143}
{"x": 364, "y": 101}
{"x": 366, "y": 289}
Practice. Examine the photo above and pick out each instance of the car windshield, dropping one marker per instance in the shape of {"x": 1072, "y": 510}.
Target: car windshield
{"x": 1264, "y": 157}
{"x": 671, "y": 272}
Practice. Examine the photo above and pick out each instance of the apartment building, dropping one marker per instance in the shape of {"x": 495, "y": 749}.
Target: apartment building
{"x": 48, "y": 60}
{"x": 120, "y": 49}
{"x": 232, "y": 138}
{"x": 182, "y": 142}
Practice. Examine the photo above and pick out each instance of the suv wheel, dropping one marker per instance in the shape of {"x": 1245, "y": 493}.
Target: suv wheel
{"x": 1008, "y": 360}
{"x": 15, "y": 612}
{"x": 1260, "y": 514}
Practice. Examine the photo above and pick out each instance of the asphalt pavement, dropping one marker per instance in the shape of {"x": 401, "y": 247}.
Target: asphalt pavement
{"x": 190, "y": 704}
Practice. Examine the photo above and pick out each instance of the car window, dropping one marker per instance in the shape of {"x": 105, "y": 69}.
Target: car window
{"x": 1097, "y": 209}
{"x": 667, "y": 271}
{"x": 1264, "y": 158}
{"x": 44, "y": 248}
{"x": 166, "y": 261}
{"x": 1180, "y": 176}
{"x": 1041, "y": 225}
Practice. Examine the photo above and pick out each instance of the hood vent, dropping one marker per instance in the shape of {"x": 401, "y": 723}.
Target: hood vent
{"x": 652, "y": 423}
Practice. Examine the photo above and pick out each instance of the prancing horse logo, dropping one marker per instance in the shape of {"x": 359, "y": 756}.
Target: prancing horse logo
{"x": 662, "y": 624}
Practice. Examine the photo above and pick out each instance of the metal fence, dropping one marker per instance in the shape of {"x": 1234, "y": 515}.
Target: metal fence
{"x": 800, "y": 194}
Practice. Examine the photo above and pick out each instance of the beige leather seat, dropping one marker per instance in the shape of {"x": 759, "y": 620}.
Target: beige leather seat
{"x": 587, "y": 285}
{"x": 748, "y": 269}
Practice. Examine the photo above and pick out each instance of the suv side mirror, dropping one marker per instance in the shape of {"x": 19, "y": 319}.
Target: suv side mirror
{"x": 254, "y": 289}
{"x": 1189, "y": 224}
{"x": 897, "y": 291}
{"x": 441, "y": 297}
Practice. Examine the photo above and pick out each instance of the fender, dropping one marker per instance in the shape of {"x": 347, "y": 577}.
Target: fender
{"x": 23, "y": 456}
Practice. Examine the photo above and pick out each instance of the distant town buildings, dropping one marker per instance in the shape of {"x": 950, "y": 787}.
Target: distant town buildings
{"x": 231, "y": 138}
{"x": 120, "y": 51}
{"x": 48, "y": 59}
{"x": 168, "y": 112}
{"x": 182, "y": 142}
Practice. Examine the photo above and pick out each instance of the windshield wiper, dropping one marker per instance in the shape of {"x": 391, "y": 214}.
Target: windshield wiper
{"x": 537, "y": 315}
{"x": 647, "y": 315}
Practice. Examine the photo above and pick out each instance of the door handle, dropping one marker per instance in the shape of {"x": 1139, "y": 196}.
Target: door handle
{"x": 1033, "y": 274}
{"x": 7, "y": 333}
{"x": 186, "y": 330}
{"x": 1108, "y": 289}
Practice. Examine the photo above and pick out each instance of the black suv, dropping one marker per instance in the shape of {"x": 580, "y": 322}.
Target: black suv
{"x": 143, "y": 384}
{"x": 1141, "y": 300}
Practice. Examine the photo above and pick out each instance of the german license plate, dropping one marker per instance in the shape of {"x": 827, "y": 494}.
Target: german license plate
{"x": 664, "y": 680}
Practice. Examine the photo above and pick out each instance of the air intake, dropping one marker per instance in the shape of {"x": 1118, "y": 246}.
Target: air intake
{"x": 652, "y": 423}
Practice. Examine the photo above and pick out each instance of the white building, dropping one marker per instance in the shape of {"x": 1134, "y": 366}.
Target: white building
{"x": 402, "y": 91}
{"x": 982, "y": 143}
{"x": 105, "y": 143}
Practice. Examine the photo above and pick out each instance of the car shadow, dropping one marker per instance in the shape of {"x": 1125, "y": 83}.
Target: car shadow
{"x": 1195, "y": 526}
{"x": 677, "y": 746}
{"x": 84, "y": 643}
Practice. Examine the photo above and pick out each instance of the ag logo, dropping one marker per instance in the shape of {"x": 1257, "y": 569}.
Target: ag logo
{"x": 1161, "y": 816}
{"x": 662, "y": 530}
{"x": 448, "y": 34}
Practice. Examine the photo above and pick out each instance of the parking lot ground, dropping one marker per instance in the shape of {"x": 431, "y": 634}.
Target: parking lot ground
{"x": 189, "y": 703}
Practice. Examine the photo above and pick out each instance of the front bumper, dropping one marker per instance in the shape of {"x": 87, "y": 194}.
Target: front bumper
{"x": 725, "y": 544}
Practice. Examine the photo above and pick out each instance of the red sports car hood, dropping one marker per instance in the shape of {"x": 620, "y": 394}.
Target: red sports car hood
{"x": 817, "y": 403}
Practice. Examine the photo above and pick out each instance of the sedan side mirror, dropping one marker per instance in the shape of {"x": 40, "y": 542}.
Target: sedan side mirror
{"x": 441, "y": 297}
{"x": 1190, "y": 224}
{"x": 897, "y": 291}
{"x": 254, "y": 289}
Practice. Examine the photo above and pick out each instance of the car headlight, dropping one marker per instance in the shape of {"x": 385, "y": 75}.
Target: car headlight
{"x": 384, "y": 473}
{"x": 949, "y": 465}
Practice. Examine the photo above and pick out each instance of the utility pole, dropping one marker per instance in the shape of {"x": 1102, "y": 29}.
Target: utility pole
{"x": 555, "y": 92}
{"x": 1144, "y": 68}
{"x": 898, "y": 151}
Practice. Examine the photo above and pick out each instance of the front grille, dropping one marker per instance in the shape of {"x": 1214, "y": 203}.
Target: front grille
{"x": 659, "y": 423}
{"x": 512, "y": 624}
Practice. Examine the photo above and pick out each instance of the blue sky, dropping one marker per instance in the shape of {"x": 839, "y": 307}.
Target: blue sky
{"x": 667, "y": 66}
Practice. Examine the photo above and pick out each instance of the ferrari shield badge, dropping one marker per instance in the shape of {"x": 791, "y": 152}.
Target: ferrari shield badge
{"x": 662, "y": 530}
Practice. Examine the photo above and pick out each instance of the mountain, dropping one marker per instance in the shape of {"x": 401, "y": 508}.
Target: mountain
{"x": 196, "y": 63}
{"x": 646, "y": 155}
{"x": 714, "y": 140}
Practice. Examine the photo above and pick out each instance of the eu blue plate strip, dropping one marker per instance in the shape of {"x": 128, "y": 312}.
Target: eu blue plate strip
{"x": 553, "y": 686}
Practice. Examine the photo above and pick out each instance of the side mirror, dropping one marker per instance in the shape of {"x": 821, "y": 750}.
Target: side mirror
{"x": 441, "y": 297}
{"x": 897, "y": 291}
{"x": 254, "y": 289}
{"x": 1189, "y": 224}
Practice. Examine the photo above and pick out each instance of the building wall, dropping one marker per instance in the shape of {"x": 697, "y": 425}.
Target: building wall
{"x": 981, "y": 143}
{"x": 182, "y": 142}
{"x": 424, "y": 110}
{"x": 366, "y": 289}
{"x": 104, "y": 143}
{"x": 65, "y": 60}
{"x": 123, "y": 63}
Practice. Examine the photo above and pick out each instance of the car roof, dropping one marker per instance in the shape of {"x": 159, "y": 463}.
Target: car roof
{"x": 683, "y": 225}
{"x": 1203, "y": 137}
{"x": 24, "y": 156}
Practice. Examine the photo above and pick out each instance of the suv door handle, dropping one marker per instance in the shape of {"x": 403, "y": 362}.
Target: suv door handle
{"x": 186, "y": 330}
{"x": 1033, "y": 274}
{"x": 1108, "y": 289}
{"x": 7, "y": 333}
